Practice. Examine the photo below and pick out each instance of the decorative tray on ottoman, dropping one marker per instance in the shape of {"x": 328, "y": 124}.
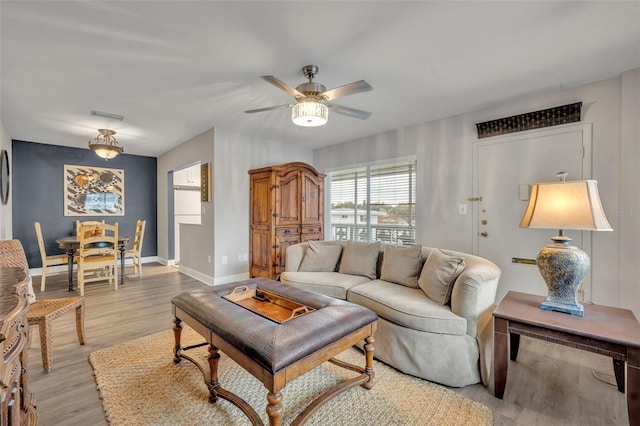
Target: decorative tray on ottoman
{"x": 271, "y": 306}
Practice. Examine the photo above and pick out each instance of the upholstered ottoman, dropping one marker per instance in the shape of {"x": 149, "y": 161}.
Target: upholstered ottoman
{"x": 275, "y": 351}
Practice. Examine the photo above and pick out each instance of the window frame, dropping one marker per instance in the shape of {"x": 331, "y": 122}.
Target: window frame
{"x": 370, "y": 231}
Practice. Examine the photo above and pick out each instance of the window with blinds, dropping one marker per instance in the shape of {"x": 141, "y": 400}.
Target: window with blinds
{"x": 376, "y": 202}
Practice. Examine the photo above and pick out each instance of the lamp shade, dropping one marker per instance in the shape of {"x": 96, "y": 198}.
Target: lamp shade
{"x": 566, "y": 205}
{"x": 309, "y": 114}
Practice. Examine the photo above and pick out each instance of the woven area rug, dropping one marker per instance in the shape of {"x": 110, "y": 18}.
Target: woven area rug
{"x": 140, "y": 385}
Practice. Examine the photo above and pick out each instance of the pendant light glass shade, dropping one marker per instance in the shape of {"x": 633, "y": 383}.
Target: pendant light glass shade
{"x": 105, "y": 144}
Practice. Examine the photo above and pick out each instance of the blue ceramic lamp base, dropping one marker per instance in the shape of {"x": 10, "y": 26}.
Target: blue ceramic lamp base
{"x": 571, "y": 307}
{"x": 563, "y": 267}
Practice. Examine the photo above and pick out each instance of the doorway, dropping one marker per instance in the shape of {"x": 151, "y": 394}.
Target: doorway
{"x": 504, "y": 169}
{"x": 186, "y": 202}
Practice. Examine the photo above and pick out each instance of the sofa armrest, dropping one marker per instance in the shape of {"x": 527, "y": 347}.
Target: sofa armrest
{"x": 474, "y": 292}
{"x": 474, "y": 297}
{"x": 295, "y": 254}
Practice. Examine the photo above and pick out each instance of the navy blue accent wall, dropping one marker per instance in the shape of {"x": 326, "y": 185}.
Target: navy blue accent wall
{"x": 37, "y": 175}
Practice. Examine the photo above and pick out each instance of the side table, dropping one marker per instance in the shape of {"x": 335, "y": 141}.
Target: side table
{"x": 605, "y": 330}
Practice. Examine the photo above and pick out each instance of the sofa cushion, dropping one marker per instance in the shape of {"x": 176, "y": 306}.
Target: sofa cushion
{"x": 408, "y": 307}
{"x": 401, "y": 265}
{"x": 320, "y": 258}
{"x": 360, "y": 259}
{"x": 331, "y": 284}
{"x": 438, "y": 274}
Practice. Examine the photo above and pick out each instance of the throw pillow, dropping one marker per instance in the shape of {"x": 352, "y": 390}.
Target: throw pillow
{"x": 439, "y": 272}
{"x": 320, "y": 258}
{"x": 401, "y": 265}
{"x": 360, "y": 259}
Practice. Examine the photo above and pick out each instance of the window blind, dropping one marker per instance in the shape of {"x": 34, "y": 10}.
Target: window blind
{"x": 375, "y": 202}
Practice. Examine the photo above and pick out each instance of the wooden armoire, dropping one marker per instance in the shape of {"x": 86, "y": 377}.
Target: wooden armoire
{"x": 286, "y": 208}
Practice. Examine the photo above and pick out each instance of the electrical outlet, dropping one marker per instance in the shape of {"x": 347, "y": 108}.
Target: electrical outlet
{"x": 240, "y": 257}
{"x": 245, "y": 257}
{"x": 225, "y": 260}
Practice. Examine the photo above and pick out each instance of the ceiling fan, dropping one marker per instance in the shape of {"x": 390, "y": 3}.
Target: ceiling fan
{"x": 312, "y": 99}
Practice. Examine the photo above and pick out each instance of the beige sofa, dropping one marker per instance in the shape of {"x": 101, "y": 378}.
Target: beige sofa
{"x": 421, "y": 331}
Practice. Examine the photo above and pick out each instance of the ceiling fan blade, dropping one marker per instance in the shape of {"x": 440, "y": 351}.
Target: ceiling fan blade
{"x": 251, "y": 111}
{"x": 351, "y": 112}
{"x": 347, "y": 89}
{"x": 282, "y": 85}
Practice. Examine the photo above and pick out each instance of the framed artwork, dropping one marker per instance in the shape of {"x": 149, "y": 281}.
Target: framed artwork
{"x": 93, "y": 191}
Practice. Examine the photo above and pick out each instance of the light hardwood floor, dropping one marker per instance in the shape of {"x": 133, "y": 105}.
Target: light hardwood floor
{"x": 548, "y": 385}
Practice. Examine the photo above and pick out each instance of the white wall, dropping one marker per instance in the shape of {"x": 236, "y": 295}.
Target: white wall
{"x": 225, "y": 221}
{"x": 444, "y": 150}
{"x": 196, "y": 240}
{"x": 235, "y": 155}
{"x": 628, "y": 226}
{"x": 6, "y": 220}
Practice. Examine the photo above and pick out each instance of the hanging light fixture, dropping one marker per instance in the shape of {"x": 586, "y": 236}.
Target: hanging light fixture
{"x": 105, "y": 144}
{"x": 310, "y": 114}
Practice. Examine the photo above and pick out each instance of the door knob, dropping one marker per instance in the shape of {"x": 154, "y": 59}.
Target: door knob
{"x": 484, "y": 233}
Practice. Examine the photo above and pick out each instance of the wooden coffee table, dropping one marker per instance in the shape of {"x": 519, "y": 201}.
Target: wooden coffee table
{"x": 274, "y": 352}
{"x": 605, "y": 330}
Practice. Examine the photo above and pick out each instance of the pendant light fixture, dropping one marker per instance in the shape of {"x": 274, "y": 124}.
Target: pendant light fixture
{"x": 105, "y": 144}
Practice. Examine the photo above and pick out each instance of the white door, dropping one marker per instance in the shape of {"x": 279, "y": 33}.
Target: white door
{"x": 504, "y": 168}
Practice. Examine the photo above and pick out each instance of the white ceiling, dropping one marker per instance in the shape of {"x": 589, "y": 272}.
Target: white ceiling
{"x": 177, "y": 68}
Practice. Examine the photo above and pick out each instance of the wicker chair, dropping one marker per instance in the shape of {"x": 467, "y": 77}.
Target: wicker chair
{"x": 42, "y": 312}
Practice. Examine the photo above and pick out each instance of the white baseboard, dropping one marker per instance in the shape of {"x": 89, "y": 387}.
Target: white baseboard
{"x": 166, "y": 262}
{"x": 207, "y": 279}
{"x": 230, "y": 278}
{"x": 211, "y": 281}
{"x": 64, "y": 268}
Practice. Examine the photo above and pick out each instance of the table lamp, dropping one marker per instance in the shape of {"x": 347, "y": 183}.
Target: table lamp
{"x": 564, "y": 205}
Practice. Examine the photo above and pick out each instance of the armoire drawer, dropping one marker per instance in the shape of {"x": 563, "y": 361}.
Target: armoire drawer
{"x": 285, "y": 231}
{"x": 312, "y": 229}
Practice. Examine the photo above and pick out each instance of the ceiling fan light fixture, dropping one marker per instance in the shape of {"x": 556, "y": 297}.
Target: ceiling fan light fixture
{"x": 105, "y": 144}
{"x": 310, "y": 114}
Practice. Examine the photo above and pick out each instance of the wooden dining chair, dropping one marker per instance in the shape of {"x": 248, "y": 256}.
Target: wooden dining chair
{"x": 87, "y": 222}
{"x": 41, "y": 313}
{"x": 135, "y": 252}
{"x": 98, "y": 254}
{"x": 48, "y": 260}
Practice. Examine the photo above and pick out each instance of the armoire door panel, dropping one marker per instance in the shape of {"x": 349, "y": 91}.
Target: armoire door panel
{"x": 288, "y": 199}
{"x": 261, "y": 253}
{"x": 260, "y": 197}
{"x": 312, "y": 206}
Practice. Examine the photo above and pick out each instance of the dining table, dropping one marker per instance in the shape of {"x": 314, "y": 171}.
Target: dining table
{"x": 71, "y": 243}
